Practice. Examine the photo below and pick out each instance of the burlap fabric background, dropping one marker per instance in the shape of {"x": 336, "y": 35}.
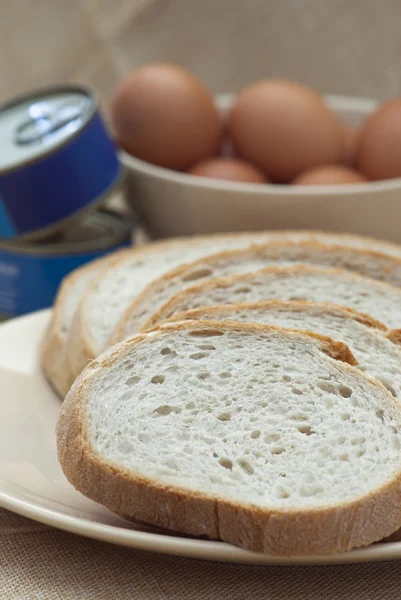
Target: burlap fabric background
{"x": 338, "y": 46}
{"x": 37, "y": 562}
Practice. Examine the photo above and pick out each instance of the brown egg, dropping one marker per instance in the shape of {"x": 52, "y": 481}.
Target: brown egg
{"x": 350, "y": 141}
{"x": 379, "y": 148}
{"x": 164, "y": 115}
{"x": 329, "y": 175}
{"x": 231, "y": 169}
{"x": 284, "y": 128}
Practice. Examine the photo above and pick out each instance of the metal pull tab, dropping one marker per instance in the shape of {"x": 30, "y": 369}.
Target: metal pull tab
{"x": 34, "y": 129}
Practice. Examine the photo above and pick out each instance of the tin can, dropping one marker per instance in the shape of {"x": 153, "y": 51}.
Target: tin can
{"x": 56, "y": 160}
{"x": 30, "y": 273}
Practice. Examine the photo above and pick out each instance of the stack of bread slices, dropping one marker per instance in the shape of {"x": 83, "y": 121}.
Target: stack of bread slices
{"x": 241, "y": 387}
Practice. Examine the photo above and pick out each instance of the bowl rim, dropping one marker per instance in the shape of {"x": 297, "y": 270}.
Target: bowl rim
{"x": 223, "y": 101}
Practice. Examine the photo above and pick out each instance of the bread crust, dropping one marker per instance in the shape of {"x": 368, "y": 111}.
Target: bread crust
{"x": 77, "y": 355}
{"x": 391, "y": 270}
{"x": 80, "y": 350}
{"x": 168, "y": 309}
{"x": 395, "y": 336}
{"x": 52, "y": 360}
{"x": 53, "y": 354}
{"x": 79, "y": 347}
{"x": 294, "y": 305}
{"x": 62, "y": 359}
{"x": 324, "y": 530}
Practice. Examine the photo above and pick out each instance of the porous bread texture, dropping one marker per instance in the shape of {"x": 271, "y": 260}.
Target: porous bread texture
{"x": 245, "y": 433}
{"x": 54, "y": 359}
{"x": 301, "y": 282}
{"x": 54, "y": 356}
{"x": 76, "y": 283}
{"x": 113, "y": 290}
{"x": 110, "y": 296}
{"x": 368, "y": 340}
{"x": 373, "y": 264}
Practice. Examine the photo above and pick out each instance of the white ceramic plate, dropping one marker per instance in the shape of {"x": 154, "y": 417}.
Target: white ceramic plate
{"x": 32, "y": 484}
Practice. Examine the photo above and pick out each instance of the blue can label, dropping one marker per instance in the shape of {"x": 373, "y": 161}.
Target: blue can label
{"x": 61, "y": 185}
{"x": 29, "y": 283}
{"x": 7, "y": 228}
{"x": 9, "y": 286}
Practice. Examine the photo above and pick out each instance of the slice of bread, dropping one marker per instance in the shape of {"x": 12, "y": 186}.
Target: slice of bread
{"x": 136, "y": 317}
{"x": 246, "y": 433}
{"x": 54, "y": 356}
{"x": 377, "y": 354}
{"x": 301, "y": 282}
{"x": 54, "y": 361}
{"x": 56, "y": 364}
{"x": 113, "y": 290}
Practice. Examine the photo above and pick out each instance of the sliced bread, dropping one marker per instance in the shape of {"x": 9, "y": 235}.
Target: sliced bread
{"x": 54, "y": 360}
{"x": 96, "y": 319}
{"x": 113, "y": 290}
{"x": 54, "y": 356}
{"x": 368, "y": 340}
{"x": 246, "y": 433}
{"x": 372, "y": 264}
{"x": 55, "y": 363}
{"x": 301, "y": 282}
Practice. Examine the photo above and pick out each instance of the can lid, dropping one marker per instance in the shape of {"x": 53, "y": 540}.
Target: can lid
{"x": 32, "y": 125}
{"x": 97, "y": 231}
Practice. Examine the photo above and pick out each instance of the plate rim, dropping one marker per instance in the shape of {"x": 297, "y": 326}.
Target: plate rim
{"x": 173, "y": 545}
{"x": 186, "y": 547}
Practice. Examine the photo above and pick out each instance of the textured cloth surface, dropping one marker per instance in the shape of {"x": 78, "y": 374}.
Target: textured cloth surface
{"x": 337, "y": 46}
{"x": 38, "y": 562}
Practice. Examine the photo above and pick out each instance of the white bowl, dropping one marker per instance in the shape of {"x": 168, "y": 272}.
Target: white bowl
{"x": 171, "y": 203}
